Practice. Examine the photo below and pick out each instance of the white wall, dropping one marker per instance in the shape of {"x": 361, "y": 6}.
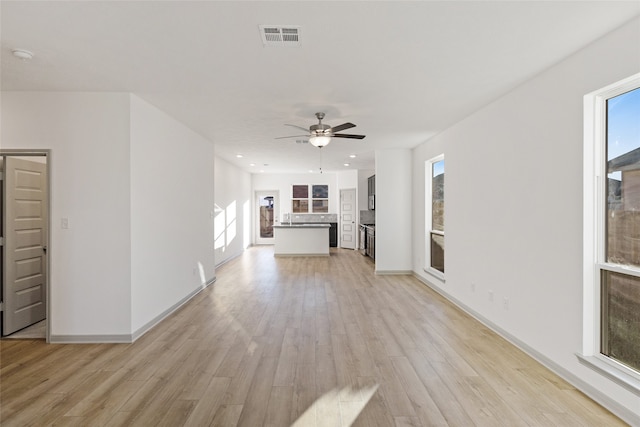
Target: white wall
{"x": 363, "y": 176}
{"x": 90, "y": 262}
{"x": 513, "y": 221}
{"x": 232, "y": 211}
{"x": 172, "y": 206}
{"x": 347, "y": 179}
{"x": 393, "y": 211}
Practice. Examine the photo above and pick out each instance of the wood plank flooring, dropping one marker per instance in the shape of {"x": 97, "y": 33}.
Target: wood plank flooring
{"x": 295, "y": 342}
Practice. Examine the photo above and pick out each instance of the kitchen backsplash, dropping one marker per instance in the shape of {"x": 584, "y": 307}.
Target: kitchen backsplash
{"x": 367, "y": 217}
{"x": 309, "y": 218}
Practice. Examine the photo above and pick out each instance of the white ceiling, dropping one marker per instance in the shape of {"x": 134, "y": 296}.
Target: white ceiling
{"x": 401, "y": 71}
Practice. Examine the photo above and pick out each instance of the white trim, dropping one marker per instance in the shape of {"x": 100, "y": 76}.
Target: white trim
{"x": 617, "y": 268}
{"x": 393, "y": 272}
{"x": 614, "y": 373}
{"x": 435, "y": 273}
{"x": 91, "y": 339}
{"x": 594, "y": 230}
{"x": 597, "y": 395}
{"x": 160, "y": 317}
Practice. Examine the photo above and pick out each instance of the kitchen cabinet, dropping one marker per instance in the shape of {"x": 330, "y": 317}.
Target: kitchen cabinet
{"x": 371, "y": 192}
{"x": 371, "y": 242}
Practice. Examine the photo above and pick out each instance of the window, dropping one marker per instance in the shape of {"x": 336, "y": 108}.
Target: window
{"x": 612, "y": 231}
{"x": 320, "y": 195}
{"x": 434, "y": 216}
{"x": 620, "y": 292}
{"x": 302, "y": 199}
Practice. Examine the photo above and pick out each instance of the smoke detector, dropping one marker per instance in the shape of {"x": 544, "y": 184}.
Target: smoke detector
{"x": 280, "y": 35}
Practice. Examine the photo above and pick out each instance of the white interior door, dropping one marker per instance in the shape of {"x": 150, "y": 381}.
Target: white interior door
{"x": 267, "y": 214}
{"x": 348, "y": 219}
{"x": 24, "y": 244}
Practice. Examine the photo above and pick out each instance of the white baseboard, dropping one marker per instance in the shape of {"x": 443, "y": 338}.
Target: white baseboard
{"x": 620, "y": 411}
{"x": 90, "y": 339}
{"x": 232, "y": 257}
{"x": 128, "y": 338}
{"x": 393, "y": 272}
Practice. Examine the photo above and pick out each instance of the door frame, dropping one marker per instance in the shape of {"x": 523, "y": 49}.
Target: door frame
{"x": 47, "y": 154}
{"x": 356, "y": 231}
{"x": 256, "y": 216}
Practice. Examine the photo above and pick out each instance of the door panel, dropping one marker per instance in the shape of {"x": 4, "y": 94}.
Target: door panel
{"x": 347, "y": 219}
{"x": 25, "y": 221}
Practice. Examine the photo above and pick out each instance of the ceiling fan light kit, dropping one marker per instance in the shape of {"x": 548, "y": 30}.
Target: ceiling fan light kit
{"x": 319, "y": 141}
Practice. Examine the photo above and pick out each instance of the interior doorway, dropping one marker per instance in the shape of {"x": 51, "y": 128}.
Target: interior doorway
{"x": 267, "y": 210}
{"x": 24, "y": 236}
{"x": 348, "y": 218}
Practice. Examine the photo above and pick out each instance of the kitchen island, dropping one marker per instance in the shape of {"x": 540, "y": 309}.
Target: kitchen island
{"x": 301, "y": 239}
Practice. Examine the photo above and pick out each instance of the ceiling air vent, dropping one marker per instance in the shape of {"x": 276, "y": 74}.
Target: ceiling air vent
{"x": 280, "y": 35}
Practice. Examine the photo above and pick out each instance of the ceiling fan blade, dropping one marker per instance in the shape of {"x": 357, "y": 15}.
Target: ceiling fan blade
{"x": 293, "y": 136}
{"x": 347, "y": 135}
{"x": 298, "y": 127}
{"x": 343, "y": 126}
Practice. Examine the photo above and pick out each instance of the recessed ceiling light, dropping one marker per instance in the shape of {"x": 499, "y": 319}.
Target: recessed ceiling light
{"x": 347, "y": 164}
{"x": 239, "y": 156}
{"x": 25, "y": 55}
{"x": 252, "y": 164}
{"x": 261, "y": 170}
{"x": 310, "y": 170}
{"x": 353, "y": 156}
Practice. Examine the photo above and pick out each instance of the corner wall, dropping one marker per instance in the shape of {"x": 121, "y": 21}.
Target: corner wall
{"x": 393, "y": 211}
{"x": 513, "y": 221}
{"x": 90, "y": 262}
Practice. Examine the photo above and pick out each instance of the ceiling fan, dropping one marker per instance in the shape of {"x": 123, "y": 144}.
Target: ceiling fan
{"x": 320, "y": 135}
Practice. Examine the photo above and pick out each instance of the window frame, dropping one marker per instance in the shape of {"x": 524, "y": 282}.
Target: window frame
{"x": 428, "y": 216}
{"x": 594, "y": 234}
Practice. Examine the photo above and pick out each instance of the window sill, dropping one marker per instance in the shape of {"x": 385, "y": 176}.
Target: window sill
{"x": 611, "y": 372}
{"x": 435, "y": 273}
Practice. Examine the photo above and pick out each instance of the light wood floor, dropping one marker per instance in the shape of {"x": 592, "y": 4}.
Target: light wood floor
{"x": 295, "y": 341}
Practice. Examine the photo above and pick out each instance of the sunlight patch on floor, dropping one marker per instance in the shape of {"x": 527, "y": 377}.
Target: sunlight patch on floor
{"x": 337, "y": 407}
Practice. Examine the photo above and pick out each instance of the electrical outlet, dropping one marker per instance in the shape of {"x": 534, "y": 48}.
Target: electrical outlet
{"x": 64, "y": 223}
{"x": 505, "y": 303}
{"x": 491, "y": 295}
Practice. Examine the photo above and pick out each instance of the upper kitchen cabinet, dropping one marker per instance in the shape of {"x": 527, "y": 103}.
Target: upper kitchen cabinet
{"x": 371, "y": 185}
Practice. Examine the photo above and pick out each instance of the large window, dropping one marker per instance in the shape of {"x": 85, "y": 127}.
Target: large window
{"x": 434, "y": 216}
{"x": 612, "y": 231}
{"x": 317, "y": 198}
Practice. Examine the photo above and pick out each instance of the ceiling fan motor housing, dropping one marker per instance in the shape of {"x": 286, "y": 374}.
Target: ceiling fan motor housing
{"x": 320, "y": 129}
